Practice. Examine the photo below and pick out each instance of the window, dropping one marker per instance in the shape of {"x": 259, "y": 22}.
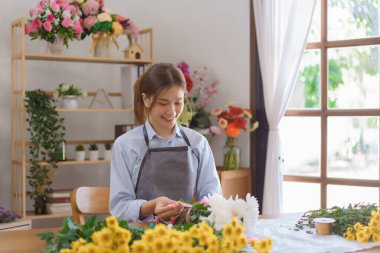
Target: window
{"x": 330, "y": 131}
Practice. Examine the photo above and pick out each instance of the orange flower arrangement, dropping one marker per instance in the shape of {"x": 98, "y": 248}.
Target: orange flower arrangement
{"x": 233, "y": 120}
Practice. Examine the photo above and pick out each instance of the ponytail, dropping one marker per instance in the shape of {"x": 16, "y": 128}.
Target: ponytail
{"x": 138, "y": 103}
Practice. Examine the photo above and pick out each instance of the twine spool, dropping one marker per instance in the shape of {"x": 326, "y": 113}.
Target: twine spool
{"x": 324, "y": 226}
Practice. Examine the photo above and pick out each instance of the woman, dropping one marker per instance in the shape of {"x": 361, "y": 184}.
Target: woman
{"x": 158, "y": 163}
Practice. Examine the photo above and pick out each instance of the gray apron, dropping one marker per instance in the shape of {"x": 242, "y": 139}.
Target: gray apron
{"x": 167, "y": 172}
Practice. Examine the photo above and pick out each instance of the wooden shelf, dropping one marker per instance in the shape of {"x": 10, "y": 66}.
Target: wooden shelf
{"x": 88, "y": 59}
{"x": 67, "y": 162}
{"x": 32, "y": 216}
{"x": 94, "y": 110}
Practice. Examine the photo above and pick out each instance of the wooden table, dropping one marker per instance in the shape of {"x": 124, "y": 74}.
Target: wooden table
{"x": 27, "y": 241}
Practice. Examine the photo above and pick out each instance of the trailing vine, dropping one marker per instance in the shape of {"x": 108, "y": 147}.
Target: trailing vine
{"x": 46, "y": 134}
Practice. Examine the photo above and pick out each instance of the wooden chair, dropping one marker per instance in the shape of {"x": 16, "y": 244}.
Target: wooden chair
{"x": 89, "y": 200}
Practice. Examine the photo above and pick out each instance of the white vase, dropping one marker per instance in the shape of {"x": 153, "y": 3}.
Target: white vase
{"x": 93, "y": 155}
{"x": 69, "y": 102}
{"x": 103, "y": 46}
{"x": 56, "y": 47}
{"x": 80, "y": 155}
{"x": 107, "y": 154}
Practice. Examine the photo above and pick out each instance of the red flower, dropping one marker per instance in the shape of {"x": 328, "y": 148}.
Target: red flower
{"x": 240, "y": 122}
{"x": 236, "y": 111}
{"x": 189, "y": 83}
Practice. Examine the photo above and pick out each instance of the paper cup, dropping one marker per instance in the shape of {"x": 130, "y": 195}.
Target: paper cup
{"x": 324, "y": 226}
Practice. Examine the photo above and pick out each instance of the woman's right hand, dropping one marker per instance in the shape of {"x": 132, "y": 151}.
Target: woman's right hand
{"x": 166, "y": 207}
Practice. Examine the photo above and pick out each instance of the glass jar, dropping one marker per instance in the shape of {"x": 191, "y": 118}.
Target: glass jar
{"x": 231, "y": 154}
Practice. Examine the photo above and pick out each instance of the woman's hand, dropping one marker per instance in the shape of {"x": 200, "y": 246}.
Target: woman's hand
{"x": 166, "y": 207}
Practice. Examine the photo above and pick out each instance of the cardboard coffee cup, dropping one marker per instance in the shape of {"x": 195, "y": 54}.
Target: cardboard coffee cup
{"x": 324, "y": 226}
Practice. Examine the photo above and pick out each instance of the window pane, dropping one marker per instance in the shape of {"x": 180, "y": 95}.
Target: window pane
{"x": 301, "y": 143}
{"x": 342, "y": 195}
{"x": 295, "y": 202}
{"x": 353, "y": 81}
{"x": 353, "y": 147}
{"x": 306, "y": 93}
{"x": 315, "y": 29}
{"x": 353, "y": 19}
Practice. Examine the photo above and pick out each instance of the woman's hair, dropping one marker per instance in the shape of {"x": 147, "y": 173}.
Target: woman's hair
{"x": 157, "y": 78}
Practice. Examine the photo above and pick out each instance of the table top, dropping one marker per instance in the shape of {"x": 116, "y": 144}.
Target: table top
{"x": 27, "y": 241}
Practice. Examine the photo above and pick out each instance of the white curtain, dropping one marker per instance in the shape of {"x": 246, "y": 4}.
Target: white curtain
{"x": 282, "y": 27}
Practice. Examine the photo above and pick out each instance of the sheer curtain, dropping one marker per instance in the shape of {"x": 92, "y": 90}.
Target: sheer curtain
{"x": 282, "y": 27}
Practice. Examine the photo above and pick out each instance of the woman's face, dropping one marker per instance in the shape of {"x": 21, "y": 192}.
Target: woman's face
{"x": 167, "y": 108}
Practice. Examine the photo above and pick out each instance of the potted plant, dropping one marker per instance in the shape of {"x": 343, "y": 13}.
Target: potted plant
{"x": 46, "y": 134}
{"x": 69, "y": 95}
{"x": 56, "y": 22}
{"x": 107, "y": 151}
{"x": 93, "y": 152}
{"x": 80, "y": 152}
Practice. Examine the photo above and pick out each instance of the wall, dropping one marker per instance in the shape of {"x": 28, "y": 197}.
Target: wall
{"x": 214, "y": 33}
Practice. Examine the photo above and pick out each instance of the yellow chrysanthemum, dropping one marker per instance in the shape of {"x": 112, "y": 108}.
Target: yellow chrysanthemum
{"x": 112, "y": 222}
{"x": 270, "y": 242}
{"x": 213, "y": 249}
{"x": 194, "y": 231}
{"x": 227, "y": 230}
{"x": 75, "y": 244}
{"x": 67, "y": 251}
{"x": 376, "y": 217}
{"x": 160, "y": 230}
{"x": 197, "y": 249}
{"x": 238, "y": 230}
{"x": 203, "y": 239}
{"x": 117, "y": 28}
{"x": 186, "y": 239}
{"x": 253, "y": 243}
{"x": 148, "y": 236}
{"x": 103, "y": 237}
{"x": 349, "y": 236}
{"x": 139, "y": 247}
{"x": 205, "y": 228}
{"x": 262, "y": 245}
{"x": 226, "y": 245}
{"x": 242, "y": 241}
{"x": 212, "y": 240}
{"x": 374, "y": 224}
{"x": 358, "y": 226}
{"x": 123, "y": 249}
{"x": 169, "y": 244}
{"x": 362, "y": 236}
{"x": 102, "y": 249}
{"x": 158, "y": 246}
{"x": 349, "y": 230}
{"x": 376, "y": 237}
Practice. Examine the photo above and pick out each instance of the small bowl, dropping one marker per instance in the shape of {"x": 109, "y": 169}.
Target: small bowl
{"x": 324, "y": 226}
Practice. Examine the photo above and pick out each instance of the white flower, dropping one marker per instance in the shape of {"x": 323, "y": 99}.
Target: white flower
{"x": 66, "y": 14}
{"x": 65, "y": 87}
{"x": 102, "y": 17}
{"x": 108, "y": 11}
{"x": 224, "y": 210}
{"x": 55, "y": 94}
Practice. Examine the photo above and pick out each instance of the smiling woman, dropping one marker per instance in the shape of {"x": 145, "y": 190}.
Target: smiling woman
{"x": 158, "y": 163}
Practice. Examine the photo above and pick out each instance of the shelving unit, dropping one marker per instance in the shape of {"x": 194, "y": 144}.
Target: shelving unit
{"x": 19, "y": 142}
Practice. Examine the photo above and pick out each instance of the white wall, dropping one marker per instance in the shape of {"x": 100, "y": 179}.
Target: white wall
{"x": 214, "y": 33}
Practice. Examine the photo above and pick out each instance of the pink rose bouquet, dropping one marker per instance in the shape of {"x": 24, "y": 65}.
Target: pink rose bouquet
{"x": 59, "y": 17}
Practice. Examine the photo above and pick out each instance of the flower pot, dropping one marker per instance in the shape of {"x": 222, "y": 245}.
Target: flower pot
{"x": 40, "y": 206}
{"x": 80, "y": 155}
{"x": 107, "y": 154}
{"x": 93, "y": 155}
{"x": 69, "y": 102}
{"x": 231, "y": 157}
{"x": 56, "y": 47}
{"x": 102, "y": 44}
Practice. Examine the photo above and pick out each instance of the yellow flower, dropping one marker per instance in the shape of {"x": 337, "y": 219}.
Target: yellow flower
{"x": 123, "y": 249}
{"x": 238, "y": 230}
{"x": 117, "y": 28}
{"x": 186, "y": 239}
{"x": 362, "y": 236}
{"x": 227, "y": 230}
{"x": 194, "y": 232}
{"x": 242, "y": 241}
{"x": 67, "y": 251}
{"x": 262, "y": 245}
{"x": 168, "y": 244}
{"x": 160, "y": 230}
{"x": 103, "y": 237}
{"x": 349, "y": 230}
{"x": 76, "y": 244}
{"x": 102, "y": 249}
{"x": 358, "y": 226}
{"x": 270, "y": 242}
{"x": 197, "y": 249}
{"x": 112, "y": 222}
{"x": 139, "y": 247}
{"x": 122, "y": 235}
{"x": 148, "y": 236}
{"x": 374, "y": 224}
{"x": 158, "y": 246}
{"x": 376, "y": 237}
{"x": 203, "y": 238}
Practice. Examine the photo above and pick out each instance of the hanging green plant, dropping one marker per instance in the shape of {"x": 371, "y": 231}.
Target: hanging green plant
{"x": 47, "y": 132}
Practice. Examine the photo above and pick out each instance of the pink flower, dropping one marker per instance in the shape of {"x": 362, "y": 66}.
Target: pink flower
{"x": 204, "y": 202}
{"x": 67, "y": 22}
{"x": 77, "y": 28}
{"x": 42, "y": 4}
{"x": 215, "y": 130}
{"x": 133, "y": 30}
{"x": 222, "y": 123}
{"x": 32, "y": 12}
{"x": 27, "y": 28}
{"x": 101, "y": 3}
{"x": 47, "y": 26}
{"x": 91, "y": 7}
{"x": 216, "y": 111}
{"x": 36, "y": 23}
{"x": 120, "y": 19}
{"x": 55, "y": 6}
{"x": 50, "y": 18}
{"x": 89, "y": 22}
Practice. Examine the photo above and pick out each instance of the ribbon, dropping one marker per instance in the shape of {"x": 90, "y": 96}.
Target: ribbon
{"x": 102, "y": 37}
{"x": 173, "y": 218}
